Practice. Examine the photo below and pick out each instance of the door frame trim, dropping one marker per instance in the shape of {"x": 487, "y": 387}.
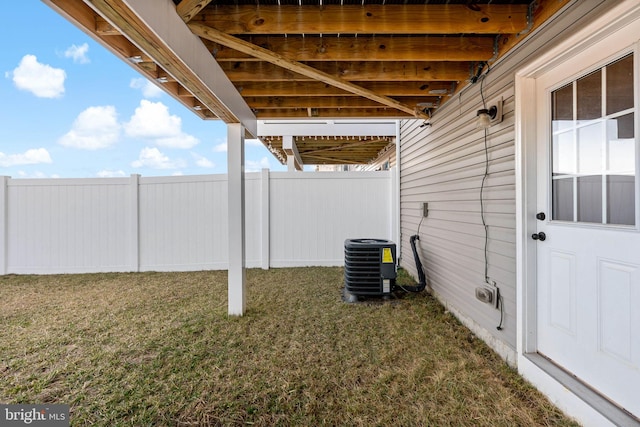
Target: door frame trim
{"x": 582, "y": 402}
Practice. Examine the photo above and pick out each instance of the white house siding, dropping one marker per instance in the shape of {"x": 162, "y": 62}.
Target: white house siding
{"x": 443, "y": 164}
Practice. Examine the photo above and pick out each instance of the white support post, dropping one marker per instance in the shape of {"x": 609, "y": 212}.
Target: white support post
{"x": 294, "y": 161}
{"x": 291, "y": 163}
{"x": 134, "y": 217}
{"x": 4, "y": 216}
{"x": 235, "y": 173}
{"x": 265, "y": 221}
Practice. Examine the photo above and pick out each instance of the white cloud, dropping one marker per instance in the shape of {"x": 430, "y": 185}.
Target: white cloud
{"x": 155, "y": 159}
{"x": 149, "y": 90}
{"x": 78, "y": 53}
{"x": 220, "y": 148}
{"x": 93, "y": 129}
{"x": 111, "y": 174}
{"x": 202, "y": 161}
{"x": 182, "y": 140}
{"x": 152, "y": 121}
{"x": 33, "y": 156}
{"x": 42, "y": 80}
{"x": 257, "y": 165}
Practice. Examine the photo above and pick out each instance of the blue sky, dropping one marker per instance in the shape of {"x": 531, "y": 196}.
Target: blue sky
{"x": 71, "y": 109}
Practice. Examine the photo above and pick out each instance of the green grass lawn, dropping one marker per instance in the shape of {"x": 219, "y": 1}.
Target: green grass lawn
{"x": 159, "y": 349}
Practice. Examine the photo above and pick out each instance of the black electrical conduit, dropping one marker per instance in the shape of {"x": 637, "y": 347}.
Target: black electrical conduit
{"x": 423, "y": 280}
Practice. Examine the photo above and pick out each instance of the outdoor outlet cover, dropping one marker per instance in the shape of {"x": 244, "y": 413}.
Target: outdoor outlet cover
{"x": 485, "y": 294}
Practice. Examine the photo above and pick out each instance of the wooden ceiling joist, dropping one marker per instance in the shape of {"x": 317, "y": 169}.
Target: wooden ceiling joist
{"x": 366, "y": 19}
{"x": 330, "y": 113}
{"x": 104, "y": 28}
{"x": 366, "y": 48}
{"x": 313, "y": 89}
{"x": 262, "y": 103}
{"x": 353, "y": 71}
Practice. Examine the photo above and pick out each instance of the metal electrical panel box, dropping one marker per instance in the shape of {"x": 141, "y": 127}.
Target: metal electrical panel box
{"x": 388, "y": 261}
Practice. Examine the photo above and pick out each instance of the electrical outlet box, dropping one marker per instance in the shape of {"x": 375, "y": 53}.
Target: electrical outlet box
{"x": 485, "y": 294}
{"x": 499, "y": 114}
{"x": 425, "y": 209}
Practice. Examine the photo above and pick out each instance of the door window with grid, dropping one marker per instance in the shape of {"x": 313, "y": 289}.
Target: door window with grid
{"x": 593, "y": 147}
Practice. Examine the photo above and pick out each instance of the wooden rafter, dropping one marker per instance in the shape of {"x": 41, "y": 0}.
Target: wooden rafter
{"x": 297, "y": 67}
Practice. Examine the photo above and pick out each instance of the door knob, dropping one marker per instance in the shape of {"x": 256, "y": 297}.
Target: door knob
{"x": 539, "y": 236}
{"x": 540, "y": 216}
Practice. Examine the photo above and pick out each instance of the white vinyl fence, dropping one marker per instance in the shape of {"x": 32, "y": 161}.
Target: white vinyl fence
{"x": 180, "y": 223}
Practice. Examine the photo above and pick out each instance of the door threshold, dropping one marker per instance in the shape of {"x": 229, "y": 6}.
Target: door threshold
{"x": 608, "y": 409}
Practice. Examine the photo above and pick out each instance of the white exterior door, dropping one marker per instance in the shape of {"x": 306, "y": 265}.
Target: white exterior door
{"x": 588, "y": 241}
